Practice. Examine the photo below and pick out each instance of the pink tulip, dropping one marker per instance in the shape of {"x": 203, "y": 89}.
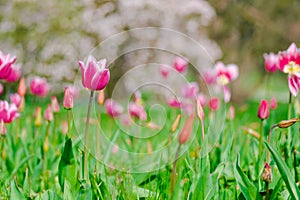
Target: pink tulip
{"x": 202, "y": 99}
{"x": 6, "y": 63}
{"x": 227, "y": 94}
{"x": 273, "y": 103}
{"x": 15, "y": 73}
{"x": 263, "y": 109}
{"x": 137, "y": 96}
{"x": 22, "y": 87}
{"x": 68, "y": 99}
{"x": 95, "y": 75}
{"x": 15, "y": 99}
{"x": 137, "y": 111}
{"x": 186, "y": 131}
{"x": 174, "y": 103}
{"x": 165, "y": 70}
{"x": 226, "y": 74}
{"x": 271, "y": 62}
{"x": 190, "y": 90}
{"x": 74, "y": 91}
{"x": 39, "y": 86}
{"x": 210, "y": 77}
{"x": 214, "y": 104}
{"x": 200, "y": 112}
{"x": 48, "y": 113}
{"x": 55, "y": 104}
{"x": 180, "y": 64}
{"x": 1, "y": 89}
{"x": 2, "y": 128}
{"x": 113, "y": 108}
{"x": 8, "y": 112}
{"x": 294, "y": 84}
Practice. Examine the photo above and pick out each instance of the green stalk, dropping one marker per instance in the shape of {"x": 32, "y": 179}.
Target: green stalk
{"x": 69, "y": 123}
{"x": 86, "y": 137}
{"x": 261, "y": 140}
{"x": 173, "y": 175}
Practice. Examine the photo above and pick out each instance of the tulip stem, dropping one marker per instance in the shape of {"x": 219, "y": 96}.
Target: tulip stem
{"x": 261, "y": 140}
{"x": 69, "y": 123}
{"x": 173, "y": 175}
{"x": 269, "y": 140}
{"x": 86, "y": 137}
{"x": 202, "y": 128}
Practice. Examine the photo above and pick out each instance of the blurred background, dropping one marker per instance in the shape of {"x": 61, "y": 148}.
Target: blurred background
{"x": 50, "y": 36}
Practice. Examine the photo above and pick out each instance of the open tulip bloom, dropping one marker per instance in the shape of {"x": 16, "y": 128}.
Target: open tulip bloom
{"x": 8, "y": 112}
{"x": 6, "y": 62}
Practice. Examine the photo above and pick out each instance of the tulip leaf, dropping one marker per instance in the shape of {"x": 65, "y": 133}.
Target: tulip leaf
{"x": 285, "y": 172}
{"x": 247, "y": 187}
{"x": 15, "y": 191}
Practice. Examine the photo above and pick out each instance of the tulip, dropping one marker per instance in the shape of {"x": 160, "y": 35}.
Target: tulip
{"x": 1, "y": 89}
{"x": 273, "y": 103}
{"x": 263, "y": 109}
{"x": 15, "y": 99}
{"x": 200, "y": 112}
{"x": 113, "y": 108}
{"x": 137, "y": 111}
{"x": 226, "y": 74}
{"x": 2, "y": 128}
{"x": 186, "y": 131}
{"x": 6, "y": 63}
{"x": 165, "y": 70}
{"x": 210, "y": 77}
{"x": 55, "y": 104}
{"x": 271, "y": 62}
{"x": 74, "y": 91}
{"x": 214, "y": 104}
{"x": 174, "y": 103}
{"x": 39, "y": 87}
{"x": 202, "y": 99}
{"x": 294, "y": 84}
{"x": 190, "y": 90}
{"x": 68, "y": 99}
{"x": 14, "y": 74}
{"x": 176, "y": 123}
{"x": 101, "y": 97}
{"x": 95, "y": 75}
{"x": 180, "y": 64}
{"x": 49, "y": 113}
{"x": 8, "y": 112}
{"x": 22, "y": 87}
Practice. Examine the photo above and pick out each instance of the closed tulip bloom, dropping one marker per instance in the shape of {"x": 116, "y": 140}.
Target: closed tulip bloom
{"x": 48, "y": 113}
{"x": 263, "y": 109}
{"x": 95, "y": 75}
{"x": 2, "y": 128}
{"x": 226, "y": 74}
{"x": 55, "y": 104}
{"x": 180, "y": 64}
{"x": 8, "y": 112}
{"x": 113, "y": 108}
{"x": 15, "y": 99}
{"x": 214, "y": 104}
{"x": 273, "y": 103}
{"x": 39, "y": 87}
{"x": 137, "y": 111}
{"x": 190, "y": 90}
{"x": 22, "y": 87}
{"x": 68, "y": 99}
{"x": 165, "y": 70}
{"x": 271, "y": 62}
{"x": 6, "y": 62}
{"x": 14, "y": 74}
{"x": 186, "y": 131}
{"x": 200, "y": 112}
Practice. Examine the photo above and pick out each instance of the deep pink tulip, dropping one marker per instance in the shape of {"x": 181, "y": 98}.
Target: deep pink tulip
{"x": 190, "y": 90}
{"x": 8, "y": 112}
{"x": 55, "y": 104}
{"x": 39, "y": 87}
{"x": 113, "y": 108}
{"x": 174, "y": 103}
{"x": 48, "y": 115}
{"x": 263, "y": 109}
{"x": 95, "y": 75}
{"x": 273, "y": 103}
{"x": 6, "y": 62}
{"x": 2, "y": 128}
{"x": 165, "y": 70}
{"x": 214, "y": 104}
{"x": 68, "y": 99}
{"x": 14, "y": 74}
{"x": 180, "y": 64}
{"x": 15, "y": 99}
{"x": 138, "y": 111}
{"x": 1, "y": 89}
{"x": 271, "y": 62}
{"x": 226, "y": 74}
{"x": 294, "y": 84}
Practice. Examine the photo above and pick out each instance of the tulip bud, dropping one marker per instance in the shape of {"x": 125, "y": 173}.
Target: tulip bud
{"x": 100, "y": 98}
{"x": 22, "y": 87}
{"x": 267, "y": 174}
{"x": 287, "y": 123}
{"x": 46, "y": 144}
{"x": 48, "y": 113}
{"x": 68, "y": 99}
{"x": 55, "y": 104}
{"x": 263, "y": 109}
{"x": 214, "y": 104}
{"x": 200, "y": 111}
{"x": 176, "y": 123}
{"x": 186, "y": 130}
{"x": 38, "y": 117}
{"x": 2, "y": 128}
{"x": 273, "y": 103}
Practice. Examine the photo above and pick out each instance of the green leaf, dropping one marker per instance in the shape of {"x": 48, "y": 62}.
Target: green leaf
{"x": 248, "y": 189}
{"x": 66, "y": 166}
{"x": 98, "y": 187}
{"x": 285, "y": 173}
{"x": 276, "y": 189}
{"x": 15, "y": 192}
{"x": 26, "y": 184}
{"x": 67, "y": 191}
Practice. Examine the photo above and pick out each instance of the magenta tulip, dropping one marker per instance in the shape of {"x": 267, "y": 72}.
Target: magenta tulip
{"x": 137, "y": 111}
{"x": 263, "y": 109}
{"x": 180, "y": 64}
{"x": 174, "y": 103}
{"x": 95, "y": 75}
{"x": 14, "y": 74}
{"x": 214, "y": 104}
{"x": 6, "y": 63}
{"x": 113, "y": 108}
{"x": 8, "y": 112}
{"x": 39, "y": 87}
{"x": 165, "y": 70}
{"x": 226, "y": 74}
{"x": 271, "y": 62}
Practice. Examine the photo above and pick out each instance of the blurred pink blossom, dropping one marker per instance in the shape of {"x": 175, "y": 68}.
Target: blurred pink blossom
{"x": 15, "y": 99}
{"x": 174, "y": 103}
{"x": 55, "y": 104}
{"x": 6, "y": 62}
{"x": 180, "y": 64}
{"x": 214, "y": 104}
{"x": 113, "y": 108}
{"x": 14, "y": 74}
{"x": 8, "y": 112}
{"x": 68, "y": 99}
{"x": 263, "y": 109}
{"x": 138, "y": 111}
{"x": 271, "y": 62}
{"x": 273, "y": 103}
{"x": 190, "y": 90}
{"x": 48, "y": 115}
{"x": 165, "y": 70}
{"x": 39, "y": 86}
